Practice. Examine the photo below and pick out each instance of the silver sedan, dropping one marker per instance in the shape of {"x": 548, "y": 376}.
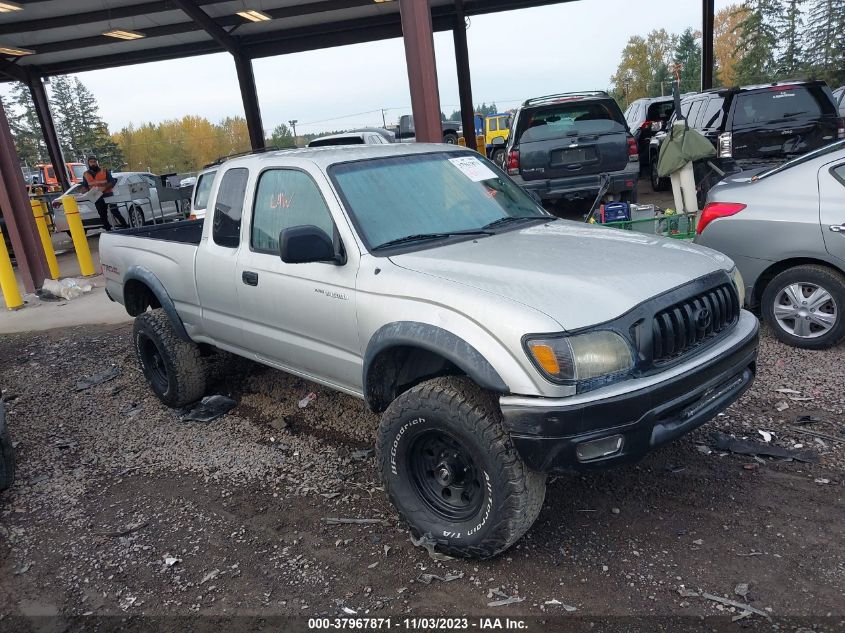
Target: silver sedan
{"x": 785, "y": 229}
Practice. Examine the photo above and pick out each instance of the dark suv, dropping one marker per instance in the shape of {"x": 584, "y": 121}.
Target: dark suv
{"x": 757, "y": 126}
{"x": 560, "y": 146}
{"x": 646, "y": 117}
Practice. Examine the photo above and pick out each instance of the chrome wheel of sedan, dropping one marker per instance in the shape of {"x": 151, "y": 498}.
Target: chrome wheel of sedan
{"x": 806, "y": 310}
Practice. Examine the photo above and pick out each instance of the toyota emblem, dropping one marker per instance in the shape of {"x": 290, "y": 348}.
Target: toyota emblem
{"x": 703, "y": 318}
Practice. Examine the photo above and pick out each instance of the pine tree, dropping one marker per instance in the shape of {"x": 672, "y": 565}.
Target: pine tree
{"x": 825, "y": 40}
{"x": 790, "y": 24}
{"x": 26, "y": 129}
{"x": 757, "y": 41}
{"x": 688, "y": 54}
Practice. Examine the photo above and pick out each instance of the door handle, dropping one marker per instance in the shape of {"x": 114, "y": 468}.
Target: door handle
{"x": 837, "y": 228}
{"x": 249, "y": 278}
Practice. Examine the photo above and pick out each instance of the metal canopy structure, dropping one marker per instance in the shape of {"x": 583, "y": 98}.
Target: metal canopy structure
{"x": 40, "y": 38}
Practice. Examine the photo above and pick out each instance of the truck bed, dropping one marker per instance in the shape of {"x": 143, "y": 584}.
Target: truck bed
{"x": 186, "y": 232}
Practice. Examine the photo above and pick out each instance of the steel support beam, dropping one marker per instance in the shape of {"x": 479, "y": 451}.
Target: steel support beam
{"x": 418, "y": 36}
{"x": 708, "y": 26}
{"x": 249, "y": 94}
{"x": 48, "y": 129}
{"x": 211, "y": 27}
{"x": 20, "y": 222}
{"x": 459, "y": 33}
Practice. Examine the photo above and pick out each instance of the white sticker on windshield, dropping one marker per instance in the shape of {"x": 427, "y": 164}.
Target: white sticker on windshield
{"x": 473, "y": 168}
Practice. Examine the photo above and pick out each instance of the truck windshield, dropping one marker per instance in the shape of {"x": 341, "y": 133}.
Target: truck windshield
{"x": 434, "y": 195}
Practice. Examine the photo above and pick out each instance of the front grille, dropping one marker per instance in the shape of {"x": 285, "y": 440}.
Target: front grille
{"x": 692, "y": 322}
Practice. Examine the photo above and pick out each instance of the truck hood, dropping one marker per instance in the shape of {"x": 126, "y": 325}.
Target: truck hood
{"x": 579, "y": 275}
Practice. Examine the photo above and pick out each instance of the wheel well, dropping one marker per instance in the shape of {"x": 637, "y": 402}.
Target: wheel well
{"x": 137, "y": 297}
{"x": 397, "y": 369}
{"x": 777, "y": 268}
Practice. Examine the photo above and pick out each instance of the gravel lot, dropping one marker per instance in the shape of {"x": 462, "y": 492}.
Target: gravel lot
{"x": 122, "y": 509}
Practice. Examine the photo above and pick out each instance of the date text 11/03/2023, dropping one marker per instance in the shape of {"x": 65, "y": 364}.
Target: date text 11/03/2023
{"x": 418, "y": 624}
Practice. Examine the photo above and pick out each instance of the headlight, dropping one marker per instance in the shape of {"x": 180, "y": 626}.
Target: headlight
{"x": 581, "y": 357}
{"x": 740, "y": 285}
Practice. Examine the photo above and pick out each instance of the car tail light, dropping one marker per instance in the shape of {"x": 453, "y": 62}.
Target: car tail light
{"x": 633, "y": 151}
{"x": 513, "y": 162}
{"x": 726, "y": 145}
{"x": 840, "y": 130}
{"x": 715, "y": 210}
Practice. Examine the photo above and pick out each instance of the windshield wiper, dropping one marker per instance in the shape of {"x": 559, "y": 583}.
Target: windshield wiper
{"x": 512, "y": 218}
{"x": 421, "y": 237}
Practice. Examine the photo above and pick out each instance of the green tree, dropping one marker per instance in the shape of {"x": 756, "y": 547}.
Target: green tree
{"x": 789, "y": 24}
{"x": 688, "y": 55}
{"x": 282, "y": 136}
{"x": 757, "y": 40}
{"x": 643, "y": 71}
{"x": 25, "y": 127}
{"x": 825, "y": 40}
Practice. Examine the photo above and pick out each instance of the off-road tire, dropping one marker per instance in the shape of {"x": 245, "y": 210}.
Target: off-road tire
{"x": 512, "y": 494}
{"x": 173, "y": 366}
{"x": 827, "y": 278}
{"x": 7, "y": 454}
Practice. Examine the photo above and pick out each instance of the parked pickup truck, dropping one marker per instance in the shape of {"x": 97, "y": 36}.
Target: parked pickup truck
{"x": 498, "y": 342}
{"x": 406, "y": 133}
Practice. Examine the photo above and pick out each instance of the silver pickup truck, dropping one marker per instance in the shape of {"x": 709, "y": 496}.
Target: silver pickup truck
{"x": 498, "y": 342}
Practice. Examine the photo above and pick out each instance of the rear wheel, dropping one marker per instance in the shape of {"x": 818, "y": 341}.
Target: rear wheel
{"x": 173, "y": 366}
{"x": 136, "y": 216}
{"x": 451, "y": 469}
{"x": 499, "y": 157}
{"x": 450, "y": 138}
{"x": 804, "y": 306}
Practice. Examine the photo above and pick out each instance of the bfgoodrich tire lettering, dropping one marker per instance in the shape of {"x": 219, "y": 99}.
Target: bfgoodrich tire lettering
{"x": 172, "y": 365}
{"x": 488, "y": 499}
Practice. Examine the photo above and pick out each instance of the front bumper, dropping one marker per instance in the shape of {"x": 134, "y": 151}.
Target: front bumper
{"x": 581, "y": 186}
{"x": 643, "y": 412}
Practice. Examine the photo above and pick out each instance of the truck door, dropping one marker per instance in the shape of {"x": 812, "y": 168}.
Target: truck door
{"x": 832, "y": 208}
{"x": 216, "y": 262}
{"x": 299, "y": 317}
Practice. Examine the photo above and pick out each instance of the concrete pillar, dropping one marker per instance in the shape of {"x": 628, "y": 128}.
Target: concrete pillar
{"x": 418, "y": 36}
{"x": 464, "y": 79}
{"x": 17, "y": 212}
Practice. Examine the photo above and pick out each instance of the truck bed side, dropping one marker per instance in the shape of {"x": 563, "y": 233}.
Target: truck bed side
{"x": 154, "y": 266}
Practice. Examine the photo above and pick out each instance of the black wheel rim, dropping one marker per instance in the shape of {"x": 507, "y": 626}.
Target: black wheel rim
{"x": 153, "y": 361}
{"x": 445, "y": 476}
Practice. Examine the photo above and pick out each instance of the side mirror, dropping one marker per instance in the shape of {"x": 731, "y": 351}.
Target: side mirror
{"x": 499, "y": 141}
{"x": 306, "y": 244}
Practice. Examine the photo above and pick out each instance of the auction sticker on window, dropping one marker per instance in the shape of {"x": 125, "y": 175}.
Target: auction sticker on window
{"x": 473, "y": 168}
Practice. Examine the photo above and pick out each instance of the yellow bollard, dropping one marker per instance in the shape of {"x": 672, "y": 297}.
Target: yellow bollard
{"x": 38, "y": 209}
{"x": 480, "y": 145}
{"x": 462, "y": 141}
{"x": 8, "y": 283}
{"x": 77, "y": 232}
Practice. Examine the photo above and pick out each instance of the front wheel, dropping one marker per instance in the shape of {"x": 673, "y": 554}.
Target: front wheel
{"x": 451, "y": 469}
{"x": 136, "y": 217}
{"x": 804, "y": 306}
{"x": 499, "y": 157}
{"x": 450, "y": 138}
{"x": 172, "y": 365}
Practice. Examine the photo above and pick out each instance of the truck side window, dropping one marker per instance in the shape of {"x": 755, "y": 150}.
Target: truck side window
{"x": 285, "y": 198}
{"x": 228, "y": 209}
{"x": 713, "y": 115}
{"x": 202, "y": 189}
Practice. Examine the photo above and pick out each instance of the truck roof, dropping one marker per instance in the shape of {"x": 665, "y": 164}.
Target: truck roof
{"x": 330, "y": 155}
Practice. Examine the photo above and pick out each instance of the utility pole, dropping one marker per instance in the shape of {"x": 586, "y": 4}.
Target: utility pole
{"x": 293, "y": 123}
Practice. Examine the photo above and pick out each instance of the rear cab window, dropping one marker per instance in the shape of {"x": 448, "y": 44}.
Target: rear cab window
{"x": 228, "y": 208}
{"x": 570, "y": 118}
{"x": 777, "y": 103}
{"x": 202, "y": 191}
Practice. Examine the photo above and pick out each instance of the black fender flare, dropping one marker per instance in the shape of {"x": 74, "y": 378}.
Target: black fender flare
{"x": 439, "y": 341}
{"x": 145, "y": 276}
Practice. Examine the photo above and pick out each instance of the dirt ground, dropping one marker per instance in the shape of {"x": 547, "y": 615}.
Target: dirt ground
{"x": 122, "y": 509}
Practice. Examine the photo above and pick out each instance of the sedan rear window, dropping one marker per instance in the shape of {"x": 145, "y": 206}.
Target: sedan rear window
{"x": 570, "y": 119}
{"x": 776, "y": 103}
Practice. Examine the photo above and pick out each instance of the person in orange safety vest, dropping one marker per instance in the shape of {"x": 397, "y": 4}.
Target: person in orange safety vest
{"x": 98, "y": 178}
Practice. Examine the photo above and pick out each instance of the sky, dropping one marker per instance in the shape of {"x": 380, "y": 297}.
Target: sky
{"x": 514, "y": 55}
